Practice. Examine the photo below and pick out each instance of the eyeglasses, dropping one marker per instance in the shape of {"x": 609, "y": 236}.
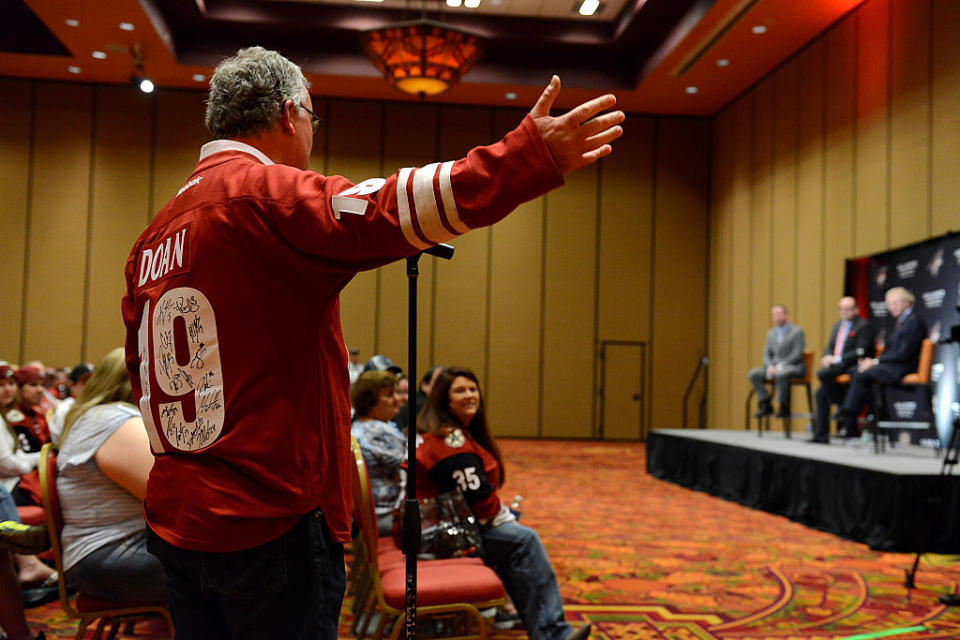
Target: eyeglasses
{"x": 315, "y": 120}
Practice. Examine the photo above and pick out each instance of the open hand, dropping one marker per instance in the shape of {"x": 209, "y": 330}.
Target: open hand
{"x": 580, "y": 136}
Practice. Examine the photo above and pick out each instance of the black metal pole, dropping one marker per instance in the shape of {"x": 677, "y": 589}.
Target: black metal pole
{"x": 411, "y": 511}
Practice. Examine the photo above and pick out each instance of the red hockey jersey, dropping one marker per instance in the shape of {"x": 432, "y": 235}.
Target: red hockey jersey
{"x": 234, "y": 344}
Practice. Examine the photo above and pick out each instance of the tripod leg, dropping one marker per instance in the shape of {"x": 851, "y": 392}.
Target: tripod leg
{"x": 909, "y": 582}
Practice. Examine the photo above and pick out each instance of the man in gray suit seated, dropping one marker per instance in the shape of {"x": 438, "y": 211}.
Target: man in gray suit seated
{"x": 782, "y": 360}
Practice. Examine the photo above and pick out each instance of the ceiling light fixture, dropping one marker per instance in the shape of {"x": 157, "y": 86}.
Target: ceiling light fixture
{"x": 759, "y": 28}
{"x": 723, "y": 62}
{"x": 422, "y": 57}
{"x": 139, "y": 79}
{"x": 471, "y": 4}
{"x": 199, "y": 77}
{"x": 99, "y": 55}
{"x": 692, "y": 90}
{"x": 72, "y": 22}
{"x": 127, "y": 26}
{"x": 588, "y": 7}
{"x": 74, "y": 70}
{"x": 454, "y": 3}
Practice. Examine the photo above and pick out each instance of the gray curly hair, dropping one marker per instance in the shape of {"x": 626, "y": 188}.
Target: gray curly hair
{"x": 248, "y": 91}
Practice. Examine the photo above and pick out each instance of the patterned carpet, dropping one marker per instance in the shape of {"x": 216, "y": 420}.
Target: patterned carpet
{"x": 643, "y": 559}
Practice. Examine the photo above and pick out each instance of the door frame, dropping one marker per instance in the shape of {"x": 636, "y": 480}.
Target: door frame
{"x": 642, "y": 381}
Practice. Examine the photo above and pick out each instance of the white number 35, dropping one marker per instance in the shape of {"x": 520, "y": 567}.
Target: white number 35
{"x": 467, "y": 478}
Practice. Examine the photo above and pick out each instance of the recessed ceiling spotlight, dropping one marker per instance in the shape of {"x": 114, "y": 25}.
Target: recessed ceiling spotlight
{"x": 199, "y": 77}
{"x": 723, "y": 62}
{"x": 588, "y": 7}
{"x": 145, "y": 84}
{"x": 127, "y": 26}
{"x": 369, "y": 0}
{"x": 471, "y": 4}
{"x": 72, "y": 22}
{"x": 691, "y": 90}
{"x": 510, "y": 95}
{"x": 759, "y": 28}
{"x": 74, "y": 70}
{"x": 99, "y": 55}
{"x": 454, "y": 3}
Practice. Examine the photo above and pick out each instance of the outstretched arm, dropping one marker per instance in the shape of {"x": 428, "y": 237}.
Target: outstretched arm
{"x": 581, "y": 135}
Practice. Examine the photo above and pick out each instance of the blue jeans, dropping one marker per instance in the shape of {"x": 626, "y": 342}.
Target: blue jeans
{"x": 8, "y": 508}
{"x": 517, "y": 555}
{"x": 121, "y": 570}
{"x": 290, "y": 587}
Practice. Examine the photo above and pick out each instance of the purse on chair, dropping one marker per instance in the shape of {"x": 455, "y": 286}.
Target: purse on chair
{"x": 448, "y": 527}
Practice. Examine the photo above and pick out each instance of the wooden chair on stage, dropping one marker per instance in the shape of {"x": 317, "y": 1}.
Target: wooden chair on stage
{"x": 763, "y": 422}
{"x": 110, "y": 615}
{"x": 458, "y": 588}
{"x": 918, "y": 380}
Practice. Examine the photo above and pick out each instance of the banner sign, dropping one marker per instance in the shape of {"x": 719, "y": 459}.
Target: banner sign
{"x": 930, "y": 270}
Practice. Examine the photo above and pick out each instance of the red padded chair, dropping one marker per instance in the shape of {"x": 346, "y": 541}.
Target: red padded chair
{"x": 456, "y": 586}
{"x": 109, "y": 614}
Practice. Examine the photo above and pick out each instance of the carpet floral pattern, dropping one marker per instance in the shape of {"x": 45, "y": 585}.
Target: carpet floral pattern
{"x": 643, "y": 559}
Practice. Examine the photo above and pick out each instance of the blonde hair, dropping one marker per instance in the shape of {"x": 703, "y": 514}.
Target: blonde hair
{"x": 902, "y": 293}
{"x": 109, "y": 383}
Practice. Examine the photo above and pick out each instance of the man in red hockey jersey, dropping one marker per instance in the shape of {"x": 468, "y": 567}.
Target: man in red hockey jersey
{"x": 234, "y": 344}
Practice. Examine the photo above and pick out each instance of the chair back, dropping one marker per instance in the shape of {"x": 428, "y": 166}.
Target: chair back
{"x": 925, "y": 363}
{"x": 53, "y": 518}
{"x": 363, "y": 505}
{"x": 808, "y": 363}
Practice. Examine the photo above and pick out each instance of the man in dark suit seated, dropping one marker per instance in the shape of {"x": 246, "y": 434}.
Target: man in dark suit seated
{"x": 782, "y": 360}
{"x": 900, "y": 357}
{"x": 850, "y": 339}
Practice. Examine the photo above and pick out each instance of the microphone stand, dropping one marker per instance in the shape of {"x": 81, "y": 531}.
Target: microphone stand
{"x": 411, "y": 511}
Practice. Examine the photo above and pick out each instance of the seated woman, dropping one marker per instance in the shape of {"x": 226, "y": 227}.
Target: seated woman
{"x": 383, "y": 444}
{"x": 13, "y": 620}
{"x": 102, "y": 468}
{"x": 458, "y": 451}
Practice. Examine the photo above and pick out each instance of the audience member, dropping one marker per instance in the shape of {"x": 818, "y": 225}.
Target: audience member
{"x": 382, "y": 443}
{"x": 14, "y": 460}
{"x": 900, "y": 356}
{"x": 355, "y": 367}
{"x": 103, "y": 466}
{"x": 782, "y": 360}
{"x": 850, "y": 339}
{"x": 459, "y": 451}
{"x": 258, "y": 482}
{"x": 28, "y": 421}
{"x": 403, "y": 397}
{"x": 77, "y": 378}
{"x": 31, "y": 572}
{"x": 382, "y": 363}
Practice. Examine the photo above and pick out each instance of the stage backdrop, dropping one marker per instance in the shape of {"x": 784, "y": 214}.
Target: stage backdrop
{"x": 931, "y": 271}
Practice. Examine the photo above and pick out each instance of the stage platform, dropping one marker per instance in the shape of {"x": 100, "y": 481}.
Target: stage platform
{"x": 893, "y": 501}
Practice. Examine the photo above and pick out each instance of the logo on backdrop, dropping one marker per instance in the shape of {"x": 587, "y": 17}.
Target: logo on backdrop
{"x": 882, "y": 272}
{"x": 933, "y": 299}
{"x": 878, "y": 309}
{"x": 907, "y": 269}
{"x": 935, "y": 263}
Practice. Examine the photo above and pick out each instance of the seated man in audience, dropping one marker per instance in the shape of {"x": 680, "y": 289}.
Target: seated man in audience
{"x": 900, "y": 357}
{"x": 782, "y": 360}
{"x": 850, "y": 339}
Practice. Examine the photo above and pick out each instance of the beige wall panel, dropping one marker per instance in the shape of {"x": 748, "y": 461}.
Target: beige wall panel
{"x": 626, "y": 252}
{"x": 569, "y": 307}
{"x": 720, "y": 409}
{"x": 514, "y": 356}
{"x": 761, "y": 229}
{"x": 120, "y": 186}
{"x": 354, "y": 152}
{"x": 910, "y": 122}
{"x": 679, "y": 290}
{"x": 460, "y": 285}
{"x": 945, "y": 185}
{"x": 59, "y": 197}
{"x": 838, "y": 166}
{"x": 179, "y": 134}
{"x": 741, "y": 361}
{"x": 784, "y": 220}
{"x": 872, "y": 142}
{"x": 809, "y": 312}
{"x": 410, "y": 140}
{"x": 16, "y": 98}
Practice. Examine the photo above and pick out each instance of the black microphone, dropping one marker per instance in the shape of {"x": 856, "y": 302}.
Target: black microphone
{"x": 441, "y": 250}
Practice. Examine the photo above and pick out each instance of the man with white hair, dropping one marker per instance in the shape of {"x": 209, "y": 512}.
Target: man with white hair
{"x": 900, "y": 356}
{"x": 235, "y": 349}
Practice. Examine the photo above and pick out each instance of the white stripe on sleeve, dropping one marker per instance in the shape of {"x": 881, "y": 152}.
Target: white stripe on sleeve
{"x": 425, "y": 202}
{"x": 403, "y": 208}
{"x": 449, "y": 204}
